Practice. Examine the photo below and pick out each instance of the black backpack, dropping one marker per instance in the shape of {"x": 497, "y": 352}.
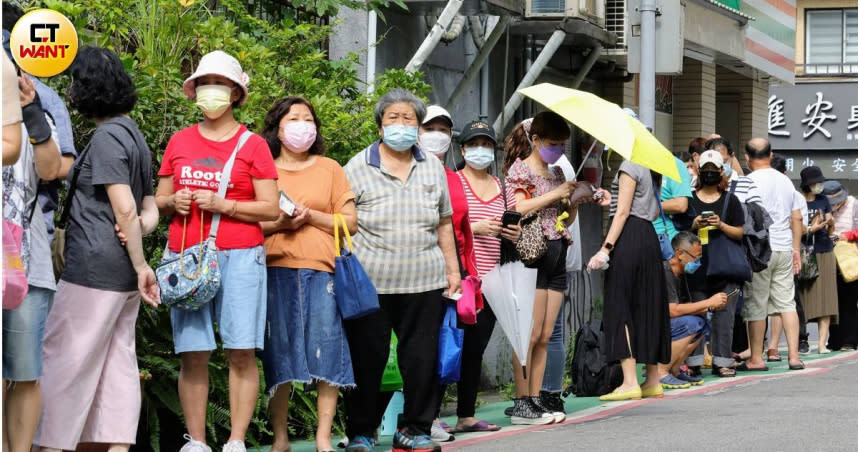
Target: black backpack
{"x": 592, "y": 375}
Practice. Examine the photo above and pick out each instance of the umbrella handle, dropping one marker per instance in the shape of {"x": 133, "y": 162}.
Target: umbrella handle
{"x": 584, "y": 161}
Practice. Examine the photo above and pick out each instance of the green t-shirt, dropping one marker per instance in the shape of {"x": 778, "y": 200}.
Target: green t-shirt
{"x": 671, "y": 189}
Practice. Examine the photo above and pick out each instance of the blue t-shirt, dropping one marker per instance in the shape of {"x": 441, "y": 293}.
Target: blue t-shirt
{"x": 821, "y": 241}
{"x": 671, "y": 189}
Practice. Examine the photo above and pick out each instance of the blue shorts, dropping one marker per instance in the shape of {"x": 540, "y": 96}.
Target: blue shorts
{"x": 23, "y": 332}
{"x": 305, "y": 339}
{"x": 238, "y": 308}
{"x": 687, "y": 325}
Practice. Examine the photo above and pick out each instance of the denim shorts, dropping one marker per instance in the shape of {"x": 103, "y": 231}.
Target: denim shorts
{"x": 304, "y": 339}
{"x": 23, "y": 332}
{"x": 238, "y": 308}
{"x": 687, "y": 325}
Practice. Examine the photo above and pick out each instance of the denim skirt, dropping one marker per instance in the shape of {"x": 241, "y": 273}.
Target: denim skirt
{"x": 304, "y": 336}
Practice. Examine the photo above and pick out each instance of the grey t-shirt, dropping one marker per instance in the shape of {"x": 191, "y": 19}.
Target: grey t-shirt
{"x": 644, "y": 204}
{"x": 116, "y": 154}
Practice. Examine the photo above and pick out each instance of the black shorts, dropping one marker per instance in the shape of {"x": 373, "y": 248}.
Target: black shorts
{"x": 551, "y": 268}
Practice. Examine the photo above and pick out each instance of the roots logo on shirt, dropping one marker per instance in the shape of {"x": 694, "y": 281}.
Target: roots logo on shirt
{"x": 43, "y": 42}
{"x": 203, "y": 173}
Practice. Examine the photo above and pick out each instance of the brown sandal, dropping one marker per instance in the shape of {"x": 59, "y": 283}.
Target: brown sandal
{"x": 773, "y": 356}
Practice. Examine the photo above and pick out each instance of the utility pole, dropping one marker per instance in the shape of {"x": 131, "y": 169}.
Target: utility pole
{"x": 649, "y": 10}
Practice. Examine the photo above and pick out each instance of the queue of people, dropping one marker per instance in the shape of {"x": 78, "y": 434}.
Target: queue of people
{"x": 674, "y": 256}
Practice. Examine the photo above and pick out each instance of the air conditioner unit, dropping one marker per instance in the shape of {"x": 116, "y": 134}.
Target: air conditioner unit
{"x": 590, "y": 10}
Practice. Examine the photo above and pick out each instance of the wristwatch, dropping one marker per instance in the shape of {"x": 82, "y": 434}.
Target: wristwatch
{"x": 608, "y": 246}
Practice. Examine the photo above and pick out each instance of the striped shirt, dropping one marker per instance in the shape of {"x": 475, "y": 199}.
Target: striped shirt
{"x": 397, "y": 239}
{"x": 746, "y": 189}
{"x": 487, "y": 248}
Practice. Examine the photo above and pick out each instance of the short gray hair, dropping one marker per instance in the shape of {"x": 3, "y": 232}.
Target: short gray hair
{"x": 397, "y": 96}
{"x": 684, "y": 238}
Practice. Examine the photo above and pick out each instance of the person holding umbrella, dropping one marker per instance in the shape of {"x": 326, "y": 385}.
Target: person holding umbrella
{"x": 636, "y": 319}
{"x": 540, "y": 191}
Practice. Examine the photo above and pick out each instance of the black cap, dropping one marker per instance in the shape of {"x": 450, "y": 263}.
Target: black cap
{"x": 811, "y": 175}
{"x": 475, "y": 129}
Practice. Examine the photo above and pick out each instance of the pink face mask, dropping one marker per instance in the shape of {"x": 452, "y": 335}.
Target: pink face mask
{"x": 299, "y": 136}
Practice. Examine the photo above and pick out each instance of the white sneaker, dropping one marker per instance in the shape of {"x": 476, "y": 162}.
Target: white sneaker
{"x": 439, "y": 434}
{"x": 234, "y": 446}
{"x": 194, "y": 446}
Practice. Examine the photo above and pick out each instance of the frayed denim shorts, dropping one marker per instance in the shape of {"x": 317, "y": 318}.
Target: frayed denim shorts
{"x": 304, "y": 336}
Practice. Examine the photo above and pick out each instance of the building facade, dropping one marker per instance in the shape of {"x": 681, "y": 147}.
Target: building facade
{"x": 815, "y": 121}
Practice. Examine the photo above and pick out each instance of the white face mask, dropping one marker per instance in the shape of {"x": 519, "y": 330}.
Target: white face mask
{"x": 479, "y": 157}
{"x": 817, "y": 189}
{"x": 436, "y": 143}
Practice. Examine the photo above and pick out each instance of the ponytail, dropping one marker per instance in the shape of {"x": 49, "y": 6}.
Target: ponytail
{"x": 516, "y": 146}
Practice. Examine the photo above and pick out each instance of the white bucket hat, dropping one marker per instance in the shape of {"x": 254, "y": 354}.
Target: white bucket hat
{"x": 222, "y": 64}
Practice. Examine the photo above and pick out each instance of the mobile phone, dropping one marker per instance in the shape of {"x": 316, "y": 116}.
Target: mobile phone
{"x": 510, "y": 217}
{"x": 454, "y": 297}
{"x": 707, "y": 214}
{"x": 286, "y": 204}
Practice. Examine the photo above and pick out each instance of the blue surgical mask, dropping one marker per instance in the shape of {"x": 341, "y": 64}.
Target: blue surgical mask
{"x": 728, "y": 170}
{"x": 692, "y": 266}
{"x": 399, "y": 137}
{"x": 479, "y": 157}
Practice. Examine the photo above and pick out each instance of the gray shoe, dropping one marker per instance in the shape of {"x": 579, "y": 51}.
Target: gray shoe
{"x": 194, "y": 446}
{"x": 525, "y": 412}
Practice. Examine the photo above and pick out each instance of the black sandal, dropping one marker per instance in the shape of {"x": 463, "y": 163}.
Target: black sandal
{"x": 725, "y": 372}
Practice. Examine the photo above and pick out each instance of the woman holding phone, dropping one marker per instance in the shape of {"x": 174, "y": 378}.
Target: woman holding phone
{"x": 306, "y": 341}
{"x": 487, "y": 204}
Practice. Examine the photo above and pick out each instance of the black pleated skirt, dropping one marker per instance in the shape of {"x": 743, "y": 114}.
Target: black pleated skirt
{"x": 636, "y": 297}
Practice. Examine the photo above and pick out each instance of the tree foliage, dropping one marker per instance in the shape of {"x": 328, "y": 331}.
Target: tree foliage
{"x": 159, "y": 42}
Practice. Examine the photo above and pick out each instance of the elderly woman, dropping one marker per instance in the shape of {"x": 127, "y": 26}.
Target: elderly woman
{"x": 405, "y": 243}
{"x": 844, "y": 336}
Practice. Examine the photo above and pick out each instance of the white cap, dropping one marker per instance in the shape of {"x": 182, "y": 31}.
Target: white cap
{"x": 435, "y": 111}
{"x": 218, "y": 63}
{"x": 711, "y": 156}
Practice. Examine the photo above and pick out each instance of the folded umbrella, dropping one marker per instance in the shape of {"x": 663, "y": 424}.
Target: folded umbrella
{"x": 509, "y": 289}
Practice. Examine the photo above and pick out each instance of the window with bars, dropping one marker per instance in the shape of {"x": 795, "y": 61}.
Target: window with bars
{"x": 831, "y": 41}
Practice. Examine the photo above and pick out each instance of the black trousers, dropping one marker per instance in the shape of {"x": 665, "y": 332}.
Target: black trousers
{"x": 846, "y": 330}
{"x": 476, "y": 340}
{"x": 416, "y": 319}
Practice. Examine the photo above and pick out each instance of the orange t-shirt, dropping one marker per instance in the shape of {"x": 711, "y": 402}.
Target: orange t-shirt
{"x": 322, "y": 187}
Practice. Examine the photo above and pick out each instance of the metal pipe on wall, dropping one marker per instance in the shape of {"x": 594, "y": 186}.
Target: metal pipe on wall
{"x": 371, "y": 36}
{"x": 434, "y": 36}
{"x": 649, "y": 9}
{"x": 592, "y": 57}
{"x": 541, "y": 61}
{"x": 479, "y": 61}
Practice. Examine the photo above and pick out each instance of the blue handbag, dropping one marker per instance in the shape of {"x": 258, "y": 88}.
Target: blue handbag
{"x": 354, "y": 291}
{"x": 727, "y": 257}
{"x": 191, "y": 279}
{"x": 450, "y": 340}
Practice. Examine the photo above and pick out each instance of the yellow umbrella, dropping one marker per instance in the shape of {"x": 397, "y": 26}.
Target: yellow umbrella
{"x": 608, "y": 123}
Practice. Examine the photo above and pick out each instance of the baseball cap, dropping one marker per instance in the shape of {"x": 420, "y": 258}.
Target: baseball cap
{"x": 711, "y": 156}
{"x": 475, "y": 129}
{"x": 437, "y": 111}
{"x": 222, "y": 64}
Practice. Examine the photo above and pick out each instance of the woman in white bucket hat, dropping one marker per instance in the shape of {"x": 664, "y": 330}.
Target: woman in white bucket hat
{"x": 191, "y": 172}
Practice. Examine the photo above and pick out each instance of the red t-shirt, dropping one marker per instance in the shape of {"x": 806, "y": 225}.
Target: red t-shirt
{"x": 196, "y": 163}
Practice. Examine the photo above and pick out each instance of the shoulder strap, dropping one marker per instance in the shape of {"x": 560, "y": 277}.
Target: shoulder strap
{"x": 64, "y": 216}
{"x": 727, "y": 199}
{"x": 503, "y": 193}
{"x": 224, "y": 179}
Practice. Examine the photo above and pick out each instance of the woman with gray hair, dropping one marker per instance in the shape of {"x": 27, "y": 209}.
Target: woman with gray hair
{"x": 405, "y": 244}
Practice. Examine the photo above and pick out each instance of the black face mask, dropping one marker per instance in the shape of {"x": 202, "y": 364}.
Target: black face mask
{"x": 710, "y": 178}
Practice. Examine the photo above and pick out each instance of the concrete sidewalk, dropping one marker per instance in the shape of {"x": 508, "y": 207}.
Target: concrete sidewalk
{"x": 583, "y": 409}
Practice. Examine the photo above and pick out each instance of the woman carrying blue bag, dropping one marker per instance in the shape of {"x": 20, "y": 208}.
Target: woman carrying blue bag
{"x": 305, "y": 341}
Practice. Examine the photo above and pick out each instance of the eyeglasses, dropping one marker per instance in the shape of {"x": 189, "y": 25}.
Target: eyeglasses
{"x": 692, "y": 255}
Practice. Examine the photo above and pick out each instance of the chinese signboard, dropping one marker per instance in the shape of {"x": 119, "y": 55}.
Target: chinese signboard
{"x": 813, "y": 116}
{"x": 834, "y": 164}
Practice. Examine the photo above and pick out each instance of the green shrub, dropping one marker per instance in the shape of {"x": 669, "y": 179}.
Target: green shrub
{"x": 160, "y": 41}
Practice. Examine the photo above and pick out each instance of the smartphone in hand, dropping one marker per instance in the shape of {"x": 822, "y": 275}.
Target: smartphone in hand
{"x": 510, "y": 217}
{"x": 286, "y": 204}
